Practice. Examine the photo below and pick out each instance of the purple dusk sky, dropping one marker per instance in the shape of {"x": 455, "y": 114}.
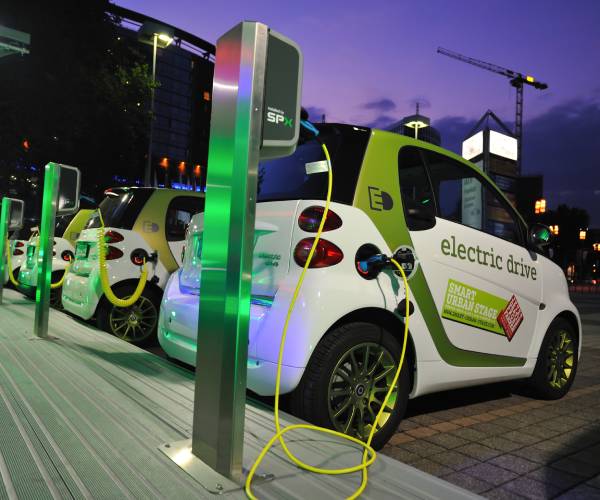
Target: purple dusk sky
{"x": 368, "y": 62}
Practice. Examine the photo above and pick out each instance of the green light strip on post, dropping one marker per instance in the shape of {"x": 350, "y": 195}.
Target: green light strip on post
{"x": 46, "y": 242}
{"x": 4, "y": 215}
{"x": 229, "y": 215}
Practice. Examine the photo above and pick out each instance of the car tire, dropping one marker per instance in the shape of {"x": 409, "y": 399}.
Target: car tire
{"x": 332, "y": 381}
{"x": 557, "y": 361}
{"x": 136, "y": 324}
{"x": 16, "y": 276}
{"x": 56, "y": 293}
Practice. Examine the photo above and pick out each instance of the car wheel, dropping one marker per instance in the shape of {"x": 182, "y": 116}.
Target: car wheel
{"x": 16, "y": 276}
{"x": 347, "y": 378}
{"x": 137, "y": 323}
{"x": 557, "y": 361}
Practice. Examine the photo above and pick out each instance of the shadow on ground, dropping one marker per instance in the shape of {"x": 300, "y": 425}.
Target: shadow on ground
{"x": 457, "y": 398}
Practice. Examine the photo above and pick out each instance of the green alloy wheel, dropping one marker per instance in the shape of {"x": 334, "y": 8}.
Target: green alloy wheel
{"x": 346, "y": 381}
{"x": 557, "y": 361}
{"x": 357, "y": 388}
{"x": 137, "y": 323}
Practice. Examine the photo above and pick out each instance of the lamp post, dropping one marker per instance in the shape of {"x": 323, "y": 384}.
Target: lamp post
{"x": 416, "y": 122}
{"x": 157, "y": 36}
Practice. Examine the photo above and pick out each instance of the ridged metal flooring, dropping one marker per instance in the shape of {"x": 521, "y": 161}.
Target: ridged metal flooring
{"x": 82, "y": 416}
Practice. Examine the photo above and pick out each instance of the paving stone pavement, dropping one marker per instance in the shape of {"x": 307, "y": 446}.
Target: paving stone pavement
{"x": 500, "y": 443}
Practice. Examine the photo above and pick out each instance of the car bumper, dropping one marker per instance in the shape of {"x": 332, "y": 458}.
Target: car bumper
{"x": 177, "y": 334}
{"x": 81, "y": 295}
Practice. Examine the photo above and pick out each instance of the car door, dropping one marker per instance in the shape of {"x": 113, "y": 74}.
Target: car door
{"x": 180, "y": 211}
{"x": 485, "y": 283}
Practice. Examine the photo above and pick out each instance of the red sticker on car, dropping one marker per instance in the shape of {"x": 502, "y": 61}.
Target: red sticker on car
{"x": 510, "y": 318}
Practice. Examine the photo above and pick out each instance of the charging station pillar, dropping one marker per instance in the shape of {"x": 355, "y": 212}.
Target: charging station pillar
{"x": 61, "y": 196}
{"x": 44, "y": 255}
{"x": 222, "y": 351}
{"x": 11, "y": 218}
{"x": 255, "y": 114}
{"x": 4, "y": 216}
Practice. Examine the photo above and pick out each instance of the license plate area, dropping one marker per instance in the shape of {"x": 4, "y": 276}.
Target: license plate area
{"x": 30, "y": 255}
{"x": 82, "y": 250}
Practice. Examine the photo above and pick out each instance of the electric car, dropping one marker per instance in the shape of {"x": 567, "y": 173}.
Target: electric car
{"x": 484, "y": 305}
{"x": 143, "y": 228}
{"x": 66, "y": 231}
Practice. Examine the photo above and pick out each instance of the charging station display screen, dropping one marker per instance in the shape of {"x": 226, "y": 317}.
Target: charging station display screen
{"x": 15, "y": 219}
{"x": 283, "y": 82}
{"x": 68, "y": 191}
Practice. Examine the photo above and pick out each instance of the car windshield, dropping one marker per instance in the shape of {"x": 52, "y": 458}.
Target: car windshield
{"x": 120, "y": 208}
{"x": 61, "y": 225}
{"x": 303, "y": 175}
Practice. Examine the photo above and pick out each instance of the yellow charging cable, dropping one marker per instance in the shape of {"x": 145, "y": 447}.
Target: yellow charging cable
{"x": 369, "y": 453}
{"x": 60, "y": 282}
{"x": 11, "y": 276}
{"x": 112, "y": 298}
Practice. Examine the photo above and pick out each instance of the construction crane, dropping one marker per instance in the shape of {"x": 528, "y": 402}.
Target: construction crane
{"x": 517, "y": 80}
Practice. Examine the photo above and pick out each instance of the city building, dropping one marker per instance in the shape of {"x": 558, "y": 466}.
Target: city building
{"x": 495, "y": 153}
{"x": 418, "y": 126}
{"x": 530, "y": 189}
{"x": 182, "y": 100}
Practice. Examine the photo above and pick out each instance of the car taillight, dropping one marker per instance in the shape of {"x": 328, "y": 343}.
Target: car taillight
{"x": 310, "y": 218}
{"x": 113, "y": 253}
{"x": 18, "y": 252}
{"x": 19, "y": 244}
{"x": 326, "y": 253}
{"x": 113, "y": 237}
{"x": 67, "y": 256}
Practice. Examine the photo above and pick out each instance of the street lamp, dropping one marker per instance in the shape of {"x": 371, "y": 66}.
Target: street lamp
{"x": 161, "y": 36}
{"x": 540, "y": 206}
{"x": 416, "y": 122}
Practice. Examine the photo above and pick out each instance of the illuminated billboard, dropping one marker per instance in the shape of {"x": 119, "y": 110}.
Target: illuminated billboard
{"x": 473, "y": 146}
{"x": 501, "y": 145}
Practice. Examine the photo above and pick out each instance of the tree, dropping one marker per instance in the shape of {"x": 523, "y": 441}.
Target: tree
{"x": 80, "y": 97}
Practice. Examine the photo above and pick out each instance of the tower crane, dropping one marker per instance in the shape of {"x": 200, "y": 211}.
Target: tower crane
{"x": 517, "y": 80}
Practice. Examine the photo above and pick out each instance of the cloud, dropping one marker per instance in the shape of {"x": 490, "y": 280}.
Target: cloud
{"x": 315, "y": 113}
{"x": 382, "y": 105}
{"x": 423, "y": 102}
{"x": 453, "y": 130}
{"x": 382, "y": 122}
{"x": 563, "y": 144}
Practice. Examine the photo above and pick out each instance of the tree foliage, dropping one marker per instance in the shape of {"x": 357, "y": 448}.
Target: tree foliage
{"x": 80, "y": 97}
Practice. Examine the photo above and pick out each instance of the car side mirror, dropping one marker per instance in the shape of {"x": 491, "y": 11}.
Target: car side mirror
{"x": 419, "y": 217}
{"x": 539, "y": 235}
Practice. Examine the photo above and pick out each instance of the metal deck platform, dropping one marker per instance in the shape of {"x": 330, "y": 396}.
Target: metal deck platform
{"x": 83, "y": 415}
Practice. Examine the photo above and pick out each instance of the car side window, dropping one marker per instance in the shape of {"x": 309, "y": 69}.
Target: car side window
{"x": 415, "y": 189}
{"x": 463, "y": 196}
{"x": 179, "y": 214}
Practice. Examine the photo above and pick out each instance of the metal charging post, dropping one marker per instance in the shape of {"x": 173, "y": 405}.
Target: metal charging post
{"x": 44, "y": 256}
{"x": 61, "y": 195}
{"x": 4, "y": 216}
{"x": 11, "y": 218}
{"x": 255, "y": 114}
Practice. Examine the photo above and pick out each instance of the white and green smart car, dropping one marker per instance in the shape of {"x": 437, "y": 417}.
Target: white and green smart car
{"x": 142, "y": 227}
{"x": 486, "y": 305}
